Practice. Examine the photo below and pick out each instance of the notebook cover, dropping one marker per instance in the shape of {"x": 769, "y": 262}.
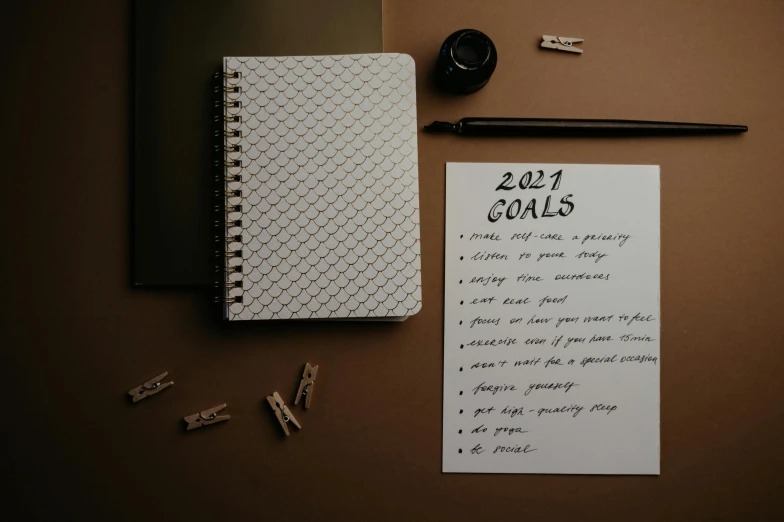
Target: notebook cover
{"x": 329, "y": 204}
{"x": 179, "y": 45}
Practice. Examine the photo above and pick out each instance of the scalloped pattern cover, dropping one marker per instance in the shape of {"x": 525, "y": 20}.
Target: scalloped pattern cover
{"x": 329, "y": 192}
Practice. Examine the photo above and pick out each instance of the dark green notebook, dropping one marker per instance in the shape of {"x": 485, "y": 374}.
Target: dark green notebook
{"x": 179, "y": 45}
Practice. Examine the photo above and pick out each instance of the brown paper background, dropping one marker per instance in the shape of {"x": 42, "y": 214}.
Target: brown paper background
{"x": 76, "y": 336}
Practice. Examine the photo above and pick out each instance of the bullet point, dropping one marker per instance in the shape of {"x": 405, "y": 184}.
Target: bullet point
{"x": 461, "y": 258}
{"x": 461, "y": 236}
{"x": 460, "y": 451}
{"x": 461, "y": 322}
{"x": 460, "y": 431}
{"x": 461, "y": 346}
{"x": 461, "y": 368}
{"x": 461, "y": 281}
{"x": 461, "y": 393}
{"x": 461, "y": 412}
{"x": 461, "y": 302}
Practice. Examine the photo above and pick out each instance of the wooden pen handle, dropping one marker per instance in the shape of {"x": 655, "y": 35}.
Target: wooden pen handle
{"x": 571, "y": 127}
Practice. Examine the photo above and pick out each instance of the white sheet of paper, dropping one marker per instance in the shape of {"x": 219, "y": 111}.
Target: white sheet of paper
{"x": 551, "y": 319}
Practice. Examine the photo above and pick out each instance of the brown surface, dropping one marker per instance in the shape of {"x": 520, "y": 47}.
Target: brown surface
{"x": 76, "y": 337}
{"x": 179, "y": 44}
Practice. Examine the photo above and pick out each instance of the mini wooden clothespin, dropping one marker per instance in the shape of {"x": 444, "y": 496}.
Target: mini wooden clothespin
{"x": 282, "y": 412}
{"x": 150, "y": 387}
{"x": 561, "y": 43}
{"x": 206, "y": 417}
{"x": 306, "y": 384}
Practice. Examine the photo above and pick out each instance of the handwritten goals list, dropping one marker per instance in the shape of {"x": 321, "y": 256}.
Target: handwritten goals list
{"x": 551, "y": 319}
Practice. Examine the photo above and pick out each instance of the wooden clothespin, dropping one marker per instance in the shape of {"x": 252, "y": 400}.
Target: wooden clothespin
{"x": 150, "y": 387}
{"x": 561, "y": 43}
{"x": 206, "y": 417}
{"x": 306, "y": 384}
{"x": 282, "y": 412}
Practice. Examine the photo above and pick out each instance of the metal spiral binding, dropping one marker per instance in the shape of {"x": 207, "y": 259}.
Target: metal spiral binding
{"x": 228, "y": 194}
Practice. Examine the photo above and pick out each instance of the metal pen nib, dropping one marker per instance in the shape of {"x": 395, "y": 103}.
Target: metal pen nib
{"x": 441, "y": 126}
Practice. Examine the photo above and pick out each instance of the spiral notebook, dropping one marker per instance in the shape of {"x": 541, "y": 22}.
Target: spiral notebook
{"x": 318, "y": 202}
